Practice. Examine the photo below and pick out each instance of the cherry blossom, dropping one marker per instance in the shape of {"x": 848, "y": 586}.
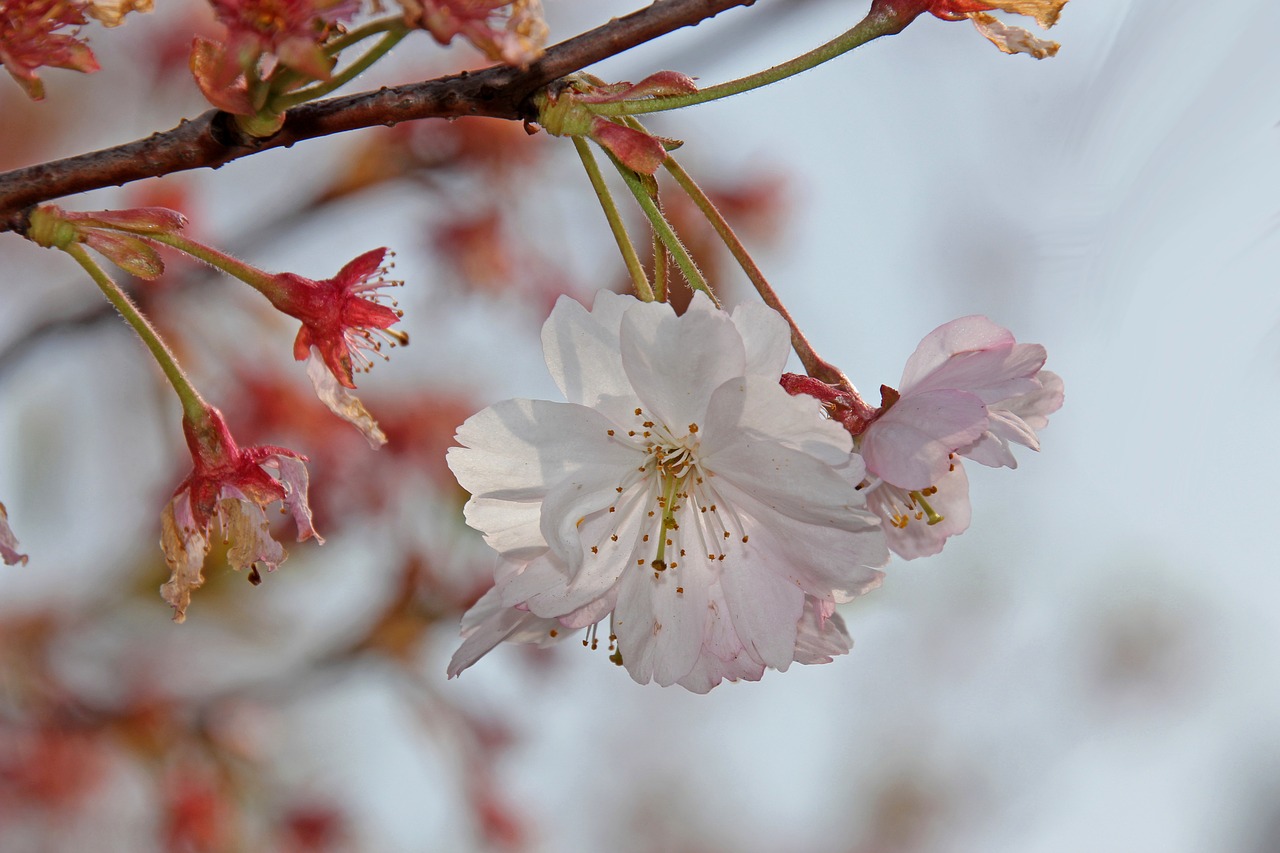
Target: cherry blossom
{"x": 680, "y": 491}
{"x": 344, "y": 324}
{"x": 969, "y": 389}
{"x": 230, "y": 484}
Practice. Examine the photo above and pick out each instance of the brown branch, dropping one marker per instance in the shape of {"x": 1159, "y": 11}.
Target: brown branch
{"x": 211, "y": 140}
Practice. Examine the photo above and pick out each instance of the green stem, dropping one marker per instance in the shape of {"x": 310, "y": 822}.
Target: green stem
{"x": 664, "y": 230}
{"x": 638, "y": 279}
{"x": 879, "y": 22}
{"x": 283, "y": 102}
{"x": 814, "y": 364}
{"x": 193, "y": 406}
{"x": 385, "y": 25}
{"x": 263, "y": 282}
{"x": 661, "y": 267}
{"x": 285, "y": 78}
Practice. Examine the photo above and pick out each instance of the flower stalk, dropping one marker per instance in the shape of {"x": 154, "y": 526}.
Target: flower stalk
{"x": 880, "y": 21}
{"x": 662, "y": 228}
{"x": 287, "y": 101}
{"x": 814, "y": 364}
{"x": 638, "y": 279}
{"x": 194, "y": 408}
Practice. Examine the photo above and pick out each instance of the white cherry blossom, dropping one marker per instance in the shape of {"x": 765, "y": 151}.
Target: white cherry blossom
{"x": 679, "y": 491}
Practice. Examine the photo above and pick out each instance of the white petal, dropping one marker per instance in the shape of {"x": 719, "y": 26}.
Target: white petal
{"x": 675, "y": 363}
{"x": 757, "y": 405}
{"x": 972, "y": 354}
{"x": 786, "y": 481}
{"x": 510, "y": 527}
{"x": 660, "y": 622}
{"x": 765, "y": 609}
{"x": 293, "y": 474}
{"x": 585, "y": 509}
{"x": 489, "y": 623}
{"x": 966, "y": 334}
{"x": 547, "y": 589}
{"x": 823, "y": 559}
{"x": 8, "y": 542}
{"x": 919, "y": 538}
{"x": 582, "y": 352}
{"x": 517, "y": 450}
{"x": 766, "y": 338}
{"x": 185, "y": 546}
{"x": 710, "y": 670}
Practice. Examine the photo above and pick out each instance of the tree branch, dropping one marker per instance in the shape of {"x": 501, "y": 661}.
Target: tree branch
{"x": 211, "y": 140}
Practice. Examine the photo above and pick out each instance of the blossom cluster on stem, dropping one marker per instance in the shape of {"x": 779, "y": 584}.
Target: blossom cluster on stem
{"x": 714, "y": 510}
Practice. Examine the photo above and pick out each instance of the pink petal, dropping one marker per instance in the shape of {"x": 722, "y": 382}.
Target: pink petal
{"x": 660, "y": 623}
{"x": 909, "y": 445}
{"x": 675, "y": 363}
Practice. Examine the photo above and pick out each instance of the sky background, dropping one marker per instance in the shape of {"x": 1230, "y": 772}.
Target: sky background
{"x": 1093, "y": 666}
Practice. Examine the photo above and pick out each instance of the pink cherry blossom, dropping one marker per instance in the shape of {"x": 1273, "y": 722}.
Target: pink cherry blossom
{"x": 232, "y": 485}
{"x": 968, "y": 390}
{"x": 680, "y": 491}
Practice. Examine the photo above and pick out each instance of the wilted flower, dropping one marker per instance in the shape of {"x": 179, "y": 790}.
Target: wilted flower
{"x": 9, "y": 542}
{"x": 343, "y": 325}
{"x": 1008, "y": 39}
{"x": 29, "y": 39}
{"x": 680, "y": 491}
{"x": 516, "y": 37}
{"x": 231, "y": 484}
{"x": 110, "y": 13}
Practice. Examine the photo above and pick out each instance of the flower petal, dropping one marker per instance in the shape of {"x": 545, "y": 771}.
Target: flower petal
{"x": 518, "y": 450}
{"x": 9, "y": 542}
{"x": 582, "y": 354}
{"x": 293, "y": 473}
{"x": 833, "y": 560}
{"x": 185, "y": 545}
{"x": 489, "y": 623}
{"x": 766, "y": 338}
{"x": 758, "y": 405}
{"x": 821, "y": 634}
{"x": 660, "y": 620}
{"x": 918, "y": 538}
{"x": 972, "y": 354}
{"x": 248, "y": 534}
{"x": 509, "y": 527}
{"x": 765, "y": 608}
{"x": 675, "y": 363}
{"x": 909, "y": 444}
{"x": 342, "y": 402}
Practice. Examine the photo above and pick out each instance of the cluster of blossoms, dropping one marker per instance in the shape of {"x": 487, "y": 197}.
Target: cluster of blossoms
{"x": 345, "y": 324}
{"x": 710, "y": 508}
